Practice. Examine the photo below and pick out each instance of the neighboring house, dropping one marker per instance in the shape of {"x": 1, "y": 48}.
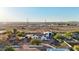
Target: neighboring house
{"x": 49, "y": 34}
{"x": 55, "y": 42}
{"x": 24, "y": 39}
{"x": 46, "y": 37}
{"x": 75, "y": 35}
{"x": 12, "y": 40}
{"x": 43, "y": 37}
{"x": 35, "y": 37}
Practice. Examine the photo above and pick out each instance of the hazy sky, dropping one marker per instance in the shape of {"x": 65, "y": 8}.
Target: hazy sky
{"x": 39, "y": 14}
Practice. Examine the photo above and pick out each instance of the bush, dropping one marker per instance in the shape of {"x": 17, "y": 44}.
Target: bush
{"x": 58, "y": 37}
{"x": 9, "y": 49}
{"x": 68, "y": 34}
{"x": 21, "y": 34}
{"x": 35, "y": 42}
{"x": 76, "y": 47}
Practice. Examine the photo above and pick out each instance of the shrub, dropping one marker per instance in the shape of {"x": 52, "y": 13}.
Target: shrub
{"x": 9, "y": 49}
{"x": 76, "y": 47}
{"x": 35, "y": 42}
{"x": 58, "y": 37}
{"x": 68, "y": 34}
{"x": 21, "y": 34}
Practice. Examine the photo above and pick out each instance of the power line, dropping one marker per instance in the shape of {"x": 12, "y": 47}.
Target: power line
{"x": 45, "y": 20}
{"x": 27, "y": 21}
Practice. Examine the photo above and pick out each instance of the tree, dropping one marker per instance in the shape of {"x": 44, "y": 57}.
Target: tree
{"x": 21, "y": 34}
{"x": 58, "y": 37}
{"x": 29, "y": 39}
{"x": 68, "y": 34}
{"x": 9, "y": 33}
{"x": 76, "y": 47}
{"x": 9, "y": 49}
{"x": 14, "y": 31}
{"x": 35, "y": 42}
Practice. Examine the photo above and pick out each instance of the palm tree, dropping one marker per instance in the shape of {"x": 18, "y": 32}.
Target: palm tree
{"x": 14, "y": 31}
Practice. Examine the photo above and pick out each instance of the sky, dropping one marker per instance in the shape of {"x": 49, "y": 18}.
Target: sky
{"x": 39, "y": 14}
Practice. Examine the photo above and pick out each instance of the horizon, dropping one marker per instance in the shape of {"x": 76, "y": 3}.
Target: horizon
{"x": 38, "y": 22}
{"x": 39, "y": 14}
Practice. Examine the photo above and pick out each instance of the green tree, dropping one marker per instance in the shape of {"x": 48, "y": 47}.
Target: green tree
{"x": 21, "y": 34}
{"x": 68, "y": 34}
{"x": 14, "y": 31}
{"x": 9, "y": 49}
{"x": 8, "y": 32}
{"x": 35, "y": 42}
{"x": 58, "y": 37}
{"x": 76, "y": 47}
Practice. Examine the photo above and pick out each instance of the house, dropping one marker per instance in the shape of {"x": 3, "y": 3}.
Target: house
{"x": 24, "y": 39}
{"x": 13, "y": 39}
{"x": 54, "y": 42}
{"x": 49, "y": 34}
{"x": 35, "y": 37}
{"x": 75, "y": 35}
{"x": 43, "y": 37}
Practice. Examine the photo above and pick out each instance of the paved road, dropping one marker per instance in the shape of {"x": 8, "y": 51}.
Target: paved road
{"x": 47, "y": 45}
{"x": 25, "y": 47}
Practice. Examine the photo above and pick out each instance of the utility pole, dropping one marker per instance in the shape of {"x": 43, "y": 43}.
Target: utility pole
{"x": 45, "y": 22}
{"x": 27, "y": 21}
